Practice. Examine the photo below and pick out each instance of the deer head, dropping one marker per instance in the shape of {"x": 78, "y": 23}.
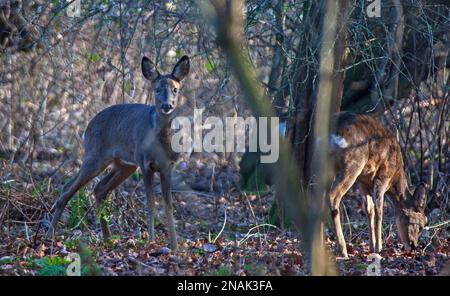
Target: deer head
{"x": 165, "y": 87}
{"x": 410, "y": 217}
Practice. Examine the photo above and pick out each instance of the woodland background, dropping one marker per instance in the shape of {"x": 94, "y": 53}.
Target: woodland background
{"x": 58, "y": 71}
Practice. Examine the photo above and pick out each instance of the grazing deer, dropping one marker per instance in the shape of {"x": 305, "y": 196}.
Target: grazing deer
{"x": 366, "y": 153}
{"x": 129, "y": 136}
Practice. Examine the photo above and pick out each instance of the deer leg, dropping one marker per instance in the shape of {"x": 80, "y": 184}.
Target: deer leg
{"x": 167, "y": 197}
{"x": 344, "y": 181}
{"x": 369, "y": 210}
{"x": 89, "y": 169}
{"x": 70, "y": 182}
{"x": 100, "y": 194}
{"x": 150, "y": 203}
{"x": 114, "y": 178}
{"x": 379, "y": 190}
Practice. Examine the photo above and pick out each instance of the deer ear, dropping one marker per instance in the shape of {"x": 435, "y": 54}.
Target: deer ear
{"x": 149, "y": 69}
{"x": 181, "y": 69}
{"x": 420, "y": 197}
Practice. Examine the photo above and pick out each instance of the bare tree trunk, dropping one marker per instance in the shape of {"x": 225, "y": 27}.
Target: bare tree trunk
{"x": 277, "y": 61}
{"x": 9, "y": 128}
{"x": 305, "y": 85}
{"x": 320, "y": 166}
{"x": 306, "y": 73}
{"x": 229, "y": 29}
{"x": 341, "y": 54}
{"x": 395, "y": 45}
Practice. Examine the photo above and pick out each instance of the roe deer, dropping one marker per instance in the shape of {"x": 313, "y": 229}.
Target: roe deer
{"x": 366, "y": 153}
{"x": 128, "y": 136}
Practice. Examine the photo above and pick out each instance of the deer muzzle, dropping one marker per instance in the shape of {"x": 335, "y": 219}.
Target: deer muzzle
{"x": 167, "y": 108}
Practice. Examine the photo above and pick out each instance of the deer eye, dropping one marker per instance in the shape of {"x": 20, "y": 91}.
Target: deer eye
{"x": 175, "y": 90}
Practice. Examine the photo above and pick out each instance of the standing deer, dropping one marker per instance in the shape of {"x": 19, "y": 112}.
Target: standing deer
{"x": 366, "y": 153}
{"x": 129, "y": 136}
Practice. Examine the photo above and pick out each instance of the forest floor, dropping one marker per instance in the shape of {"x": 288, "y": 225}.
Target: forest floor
{"x": 246, "y": 246}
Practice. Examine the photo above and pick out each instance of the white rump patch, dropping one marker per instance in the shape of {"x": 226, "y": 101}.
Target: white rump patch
{"x": 339, "y": 141}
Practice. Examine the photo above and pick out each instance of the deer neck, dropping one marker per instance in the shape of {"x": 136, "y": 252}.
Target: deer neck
{"x": 163, "y": 123}
{"x": 165, "y": 132}
{"x": 401, "y": 188}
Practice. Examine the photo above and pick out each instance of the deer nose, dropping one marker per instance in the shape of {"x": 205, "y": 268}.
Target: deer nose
{"x": 166, "y": 107}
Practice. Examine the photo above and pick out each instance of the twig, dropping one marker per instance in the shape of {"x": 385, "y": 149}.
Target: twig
{"x": 223, "y": 226}
{"x": 437, "y": 225}
{"x": 248, "y": 235}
